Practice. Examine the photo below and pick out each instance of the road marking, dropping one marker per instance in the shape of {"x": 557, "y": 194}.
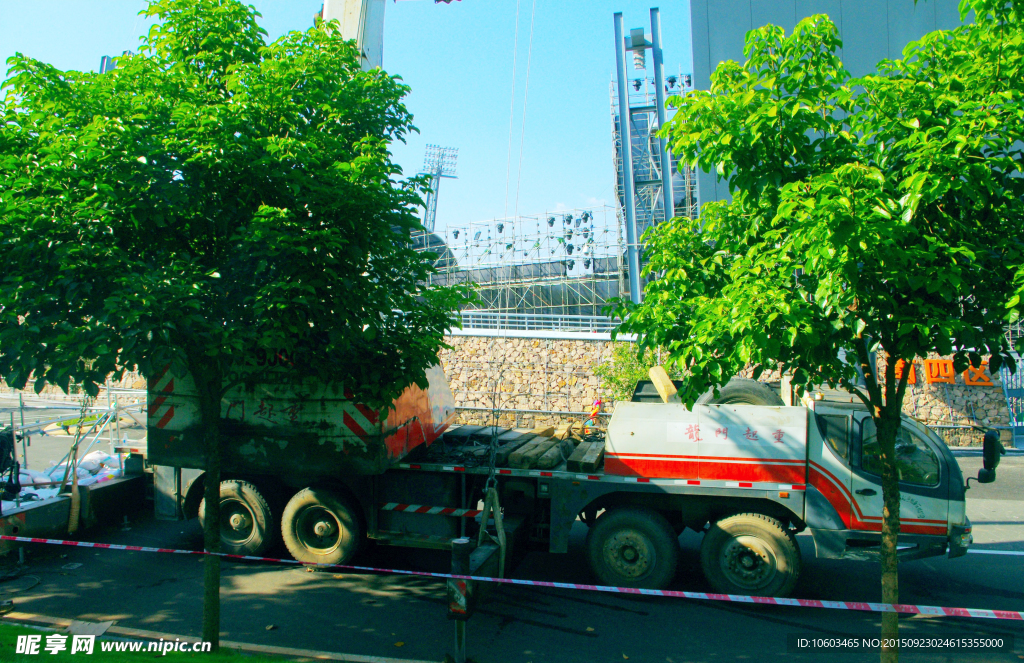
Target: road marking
{"x": 997, "y": 552}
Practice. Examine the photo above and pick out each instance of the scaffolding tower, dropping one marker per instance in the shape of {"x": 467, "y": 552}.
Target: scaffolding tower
{"x": 648, "y": 202}
{"x": 560, "y": 263}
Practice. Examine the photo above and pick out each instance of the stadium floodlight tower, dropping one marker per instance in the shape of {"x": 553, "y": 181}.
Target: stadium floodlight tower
{"x": 437, "y": 163}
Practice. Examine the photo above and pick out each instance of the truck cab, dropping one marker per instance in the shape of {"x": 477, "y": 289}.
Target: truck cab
{"x": 752, "y": 473}
{"x": 844, "y": 493}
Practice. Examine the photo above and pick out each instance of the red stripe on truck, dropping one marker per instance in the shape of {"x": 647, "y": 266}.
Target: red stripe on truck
{"x": 169, "y": 389}
{"x": 660, "y": 467}
{"x": 688, "y": 467}
{"x": 351, "y": 424}
{"x": 759, "y": 473}
{"x": 166, "y": 419}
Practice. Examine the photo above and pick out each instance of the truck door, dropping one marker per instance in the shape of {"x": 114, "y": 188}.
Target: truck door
{"x": 829, "y": 436}
{"x": 923, "y": 481}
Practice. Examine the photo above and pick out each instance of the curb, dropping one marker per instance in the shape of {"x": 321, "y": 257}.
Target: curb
{"x": 29, "y": 619}
{"x": 968, "y": 452}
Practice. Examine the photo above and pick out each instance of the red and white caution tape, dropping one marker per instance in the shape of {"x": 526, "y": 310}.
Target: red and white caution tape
{"x": 431, "y": 510}
{"x": 701, "y": 596}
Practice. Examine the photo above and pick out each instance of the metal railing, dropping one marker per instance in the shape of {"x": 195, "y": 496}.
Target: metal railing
{"x": 536, "y": 322}
{"x": 30, "y": 413}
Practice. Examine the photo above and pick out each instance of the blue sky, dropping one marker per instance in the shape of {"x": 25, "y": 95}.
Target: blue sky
{"x": 458, "y": 58}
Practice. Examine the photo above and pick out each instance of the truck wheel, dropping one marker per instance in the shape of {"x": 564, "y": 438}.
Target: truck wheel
{"x": 633, "y": 548}
{"x": 320, "y": 526}
{"x": 741, "y": 391}
{"x": 246, "y": 521}
{"x": 752, "y": 554}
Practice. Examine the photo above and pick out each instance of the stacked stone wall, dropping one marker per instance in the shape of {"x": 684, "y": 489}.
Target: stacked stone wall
{"x": 51, "y": 392}
{"x": 552, "y": 378}
{"x": 527, "y": 382}
{"x": 957, "y": 403}
{"x": 511, "y": 376}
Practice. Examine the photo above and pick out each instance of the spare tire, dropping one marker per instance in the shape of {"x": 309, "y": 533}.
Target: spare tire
{"x": 742, "y": 391}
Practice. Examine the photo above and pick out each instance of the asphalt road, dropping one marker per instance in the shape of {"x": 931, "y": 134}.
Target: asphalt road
{"x": 404, "y": 617}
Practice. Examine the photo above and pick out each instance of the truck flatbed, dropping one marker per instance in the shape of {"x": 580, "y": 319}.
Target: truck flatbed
{"x": 445, "y": 457}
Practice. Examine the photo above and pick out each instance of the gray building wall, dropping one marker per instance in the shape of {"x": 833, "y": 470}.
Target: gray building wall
{"x": 871, "y": 30}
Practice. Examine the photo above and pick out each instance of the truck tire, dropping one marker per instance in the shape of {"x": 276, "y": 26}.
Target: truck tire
{"x": 246, "y": 520}
{"x": 752, "y": 554}
{"x": 319, "y": 526}
{"x": 741, "y": 391}
{"x": 633, "y": 548}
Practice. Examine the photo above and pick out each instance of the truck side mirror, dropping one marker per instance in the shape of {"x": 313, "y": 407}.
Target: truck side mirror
{"x": 992, "y": 449}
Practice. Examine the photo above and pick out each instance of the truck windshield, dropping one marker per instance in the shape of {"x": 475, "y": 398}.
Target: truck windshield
{"x": 915, "y": 461}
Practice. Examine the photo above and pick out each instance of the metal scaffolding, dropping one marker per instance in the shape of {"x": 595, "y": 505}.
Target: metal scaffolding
{"x": 648, "y": 200}
{"x": 560, "y": 263}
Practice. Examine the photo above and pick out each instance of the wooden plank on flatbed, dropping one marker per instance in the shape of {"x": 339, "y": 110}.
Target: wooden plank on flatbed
{"x": 573, "y": 464}
{"x": 484, "y": 435}
{"x": 593, "y": 458}
{"x": 501, "y": 456}
{"x": 460, "y": 436}
{"x": 514, "y": 435}
{"x": 555, "y": 455}
{"x": 526, "y": 456}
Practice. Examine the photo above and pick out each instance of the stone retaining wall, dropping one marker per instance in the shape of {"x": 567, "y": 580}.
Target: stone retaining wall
{"x": 557, "y": 376}
{"x": 524, "y": 373}
{"x": 50, "y": 392}
{"x": 554, "y": 379}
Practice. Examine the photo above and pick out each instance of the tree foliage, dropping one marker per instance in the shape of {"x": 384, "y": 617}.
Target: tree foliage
{"x": 212, "y": 196}
{"x": 626, "y": 367}
{"x": 877, "y": 214}
{"x": 882, "y": 214}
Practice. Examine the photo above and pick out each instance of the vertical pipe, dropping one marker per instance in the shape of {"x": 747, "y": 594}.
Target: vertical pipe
{"x": 632, "y": 250}
{"x": 110, "y": 406}
{"x": 14, "y": 449}
{"x": 461, "y": 549}
{"x": 460, "y": 641}
{"x": 24, "y": 449}
{"x": 659, "y": 89}
{"x": 462, "y": 504}
{"x": 14, "y": 439}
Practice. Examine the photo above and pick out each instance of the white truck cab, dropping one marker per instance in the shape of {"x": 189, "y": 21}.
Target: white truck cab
{"x": 751, "y": 473}
{"x": 844, "y": 497}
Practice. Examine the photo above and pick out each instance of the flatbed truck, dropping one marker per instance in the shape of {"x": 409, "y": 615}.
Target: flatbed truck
{"x": 747, "y": 471}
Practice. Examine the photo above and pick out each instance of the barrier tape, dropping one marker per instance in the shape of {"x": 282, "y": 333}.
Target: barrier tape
{"x": 700, "y": 596}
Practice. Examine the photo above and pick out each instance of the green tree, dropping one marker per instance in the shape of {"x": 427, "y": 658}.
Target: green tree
{"x": 211, "y": 197}
{"x": 878, "y": 215}
{"x": 627, "y": 367}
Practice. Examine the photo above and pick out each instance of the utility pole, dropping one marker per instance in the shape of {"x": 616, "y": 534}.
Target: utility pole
{"x": 632, "y": 249}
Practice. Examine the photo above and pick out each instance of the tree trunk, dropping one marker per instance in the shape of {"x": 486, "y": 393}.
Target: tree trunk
{"x": 887, "y": 431}
{"x": 209, "y": 405}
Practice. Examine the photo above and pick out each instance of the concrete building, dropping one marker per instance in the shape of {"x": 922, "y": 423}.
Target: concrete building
{"x": 871, "y": 30}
